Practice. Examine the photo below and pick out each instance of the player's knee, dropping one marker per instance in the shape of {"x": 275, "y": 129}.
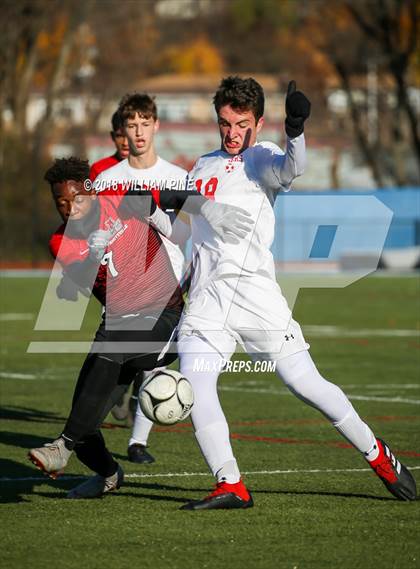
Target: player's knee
{"x": 294, "y": 368}
{"x": 301, "y": 376}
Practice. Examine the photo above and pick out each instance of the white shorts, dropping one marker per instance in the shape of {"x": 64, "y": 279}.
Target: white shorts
{"x": 249, "y": 310}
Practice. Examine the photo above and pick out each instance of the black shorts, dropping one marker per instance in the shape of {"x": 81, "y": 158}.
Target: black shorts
{"x": 144, "y": 341}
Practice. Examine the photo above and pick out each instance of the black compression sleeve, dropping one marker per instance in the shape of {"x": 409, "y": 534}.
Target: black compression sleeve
{"x": 131, "y": 205}
{"x": 189, "y": 201}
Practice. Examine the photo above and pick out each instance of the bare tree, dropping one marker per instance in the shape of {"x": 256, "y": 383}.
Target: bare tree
{"x": 356, "y": 37}
{"x": 393, "y": 25}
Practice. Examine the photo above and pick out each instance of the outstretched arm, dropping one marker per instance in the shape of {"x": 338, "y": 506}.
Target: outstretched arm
{"x": 288, "y": 166}
{"x": 230, "y": 223}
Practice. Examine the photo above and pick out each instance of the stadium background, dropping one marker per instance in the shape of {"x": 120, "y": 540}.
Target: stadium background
{"x": 65, "y": 64}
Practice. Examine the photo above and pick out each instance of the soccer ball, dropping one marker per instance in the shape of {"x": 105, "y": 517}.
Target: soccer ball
{"x": 166, "y": 397}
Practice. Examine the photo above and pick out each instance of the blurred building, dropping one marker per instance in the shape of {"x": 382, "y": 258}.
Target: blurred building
{"x": 188, "y": 125}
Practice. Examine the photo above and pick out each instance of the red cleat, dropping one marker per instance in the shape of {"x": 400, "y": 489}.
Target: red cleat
{"x": 393, "y": 473}
{"x": 225, "y": 496}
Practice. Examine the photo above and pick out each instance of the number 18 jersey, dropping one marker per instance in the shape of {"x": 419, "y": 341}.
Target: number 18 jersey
{"x": 249, "y": 180}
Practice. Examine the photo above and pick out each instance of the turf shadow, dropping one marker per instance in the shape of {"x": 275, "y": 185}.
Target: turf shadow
{"x": 23, "y": 440}
{"x": 60, "y": 487}
{"x": 15, "y": 413}
{"x": 323, "y": 493}
{"x": 113, "y": 496}
{"x": 155, "y": 486}
{"x": 155, "y": 497}
{"x": 15, "y": 491}
{"x": 205, "y": 491}
{"x": 66, "y": 485}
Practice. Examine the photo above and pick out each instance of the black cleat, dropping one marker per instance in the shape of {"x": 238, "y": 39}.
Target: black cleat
{"x": 394, "y": 474}
{"x": 138, "y": 453}
{"x": 224, "y": 497}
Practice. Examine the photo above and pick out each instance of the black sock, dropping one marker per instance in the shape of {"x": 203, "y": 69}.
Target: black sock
{"x": 94, "y": 454}
{"x": 97, "y": 381}
{"x": 68, "y": 443}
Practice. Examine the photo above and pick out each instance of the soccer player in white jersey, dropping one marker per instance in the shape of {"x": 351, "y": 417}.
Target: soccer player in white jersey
{"x": 234, "y": 296}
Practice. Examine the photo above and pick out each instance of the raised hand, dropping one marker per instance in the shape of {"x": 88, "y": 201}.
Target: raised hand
{"x": 298, "y": 109}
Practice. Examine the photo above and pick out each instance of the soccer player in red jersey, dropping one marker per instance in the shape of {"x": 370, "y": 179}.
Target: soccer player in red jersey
{"x": 125, "y": 408}
{"x": 135, "y": 282}
{"x": 121, "y": 148}
{"x": 110, "y": 245}
{"x": 151, "y": 167}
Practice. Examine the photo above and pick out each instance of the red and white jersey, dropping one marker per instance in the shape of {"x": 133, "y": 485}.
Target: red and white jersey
{"x": 251, "y": 181}
{"x": 122, "y": 177}
{"x": 103, "y": 164}
{"x": 135, "y": 272}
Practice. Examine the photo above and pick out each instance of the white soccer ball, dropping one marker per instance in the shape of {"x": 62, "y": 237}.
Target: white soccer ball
{"x": 166, "y": 397}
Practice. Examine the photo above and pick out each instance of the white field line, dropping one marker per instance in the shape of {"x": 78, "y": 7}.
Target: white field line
{"x": 384, "y": 399}
{"x": 312, "y": 330}
{"x": 382, "y": 385}
{"x": 33, "y": 376}
{"x": 59, "y": 347}
{"x": 338, "y": 331}
{"x": 251, "y": 386}
{"x": 350, "y": 396}
{"x": 389, "y": 386}
{"x": 37, "y": 347}
{"x": 12, "y": 316}
{"x": 262, "y": 390}
{"x": 192, "y": 474}
{"x": 12, "y": 375}
{"x": 53, "y": 373}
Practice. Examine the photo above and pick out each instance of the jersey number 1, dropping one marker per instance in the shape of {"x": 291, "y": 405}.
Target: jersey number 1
{"x": 107, "y": 260}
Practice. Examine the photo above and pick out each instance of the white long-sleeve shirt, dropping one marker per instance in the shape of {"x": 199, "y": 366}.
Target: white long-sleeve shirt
{"x": 251, "y": 181}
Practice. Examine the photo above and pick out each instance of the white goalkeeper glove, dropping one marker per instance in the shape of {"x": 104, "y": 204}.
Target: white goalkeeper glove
{"x": 229, "y": 222}
{"x": 97, "y": 243}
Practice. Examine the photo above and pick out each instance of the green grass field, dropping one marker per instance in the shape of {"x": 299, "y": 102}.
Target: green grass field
{"x": 317, "y": 505}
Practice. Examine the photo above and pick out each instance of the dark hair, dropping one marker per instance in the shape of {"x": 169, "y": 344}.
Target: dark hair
{"x": 140, "y": 103}
{"x": 117, "y": 121}
{"x": 65, "y": 169}
{"x": 242, "y": 94}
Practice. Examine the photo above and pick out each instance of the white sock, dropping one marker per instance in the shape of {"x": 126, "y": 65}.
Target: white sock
{"x": 358, "y": 434}
{"x": 214, "y": 443}
{"x": 373, "y": 453}
{"x": 211, "y": 428}
{"x": 229, "y": 472}
{"x": 141, "y": 428}
{"x": 142, "y": 425}
{"x": 300, "y": 375}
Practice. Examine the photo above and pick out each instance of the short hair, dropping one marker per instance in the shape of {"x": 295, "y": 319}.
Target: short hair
{"x": 65, "y": 169}
{"x": 140, "y": 103}
{"x": 243, "y": 94}
{"x": 117, "y": 121}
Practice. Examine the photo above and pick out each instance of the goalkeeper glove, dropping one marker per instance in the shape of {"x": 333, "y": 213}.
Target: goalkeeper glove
{"x": 298, "y": 109}
{"x": 67, "y": 289}
{"x": 97, "y": 243}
